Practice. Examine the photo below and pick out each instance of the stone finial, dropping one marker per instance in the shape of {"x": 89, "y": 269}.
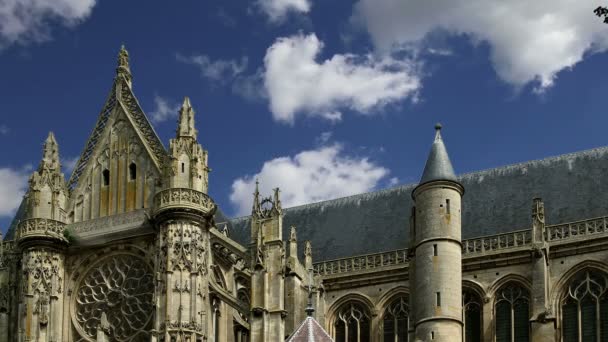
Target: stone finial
{"x": 308, "y": 255}
{"x": 292, "y": 234}
{"x": 225, "y": 230}
{"x": 123, "y": 68}
{"x": 186, "y": 120}
{"x": 538, "y": 220}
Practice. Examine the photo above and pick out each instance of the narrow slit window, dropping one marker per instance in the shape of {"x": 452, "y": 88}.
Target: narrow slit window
{"x": 447, "y": 205}
{"x": 438, "y": 299}
{"x": 183, "y": 167}
{"x": 435, "y": 250}
{"x": 432, "y": 335}
{"x": 106, "y": 177}
{"x": 132, "y": 171}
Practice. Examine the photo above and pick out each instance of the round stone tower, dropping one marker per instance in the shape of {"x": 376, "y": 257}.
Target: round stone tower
{"x": 437, "y": 275}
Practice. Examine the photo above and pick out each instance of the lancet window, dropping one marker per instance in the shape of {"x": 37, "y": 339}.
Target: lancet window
{"x": 472, "y": 307}
{"x": 585, "y": 308}
{"x": 352, "y": 323}
{"x": 396, "y": 320}
{"x": 512, "y": 313}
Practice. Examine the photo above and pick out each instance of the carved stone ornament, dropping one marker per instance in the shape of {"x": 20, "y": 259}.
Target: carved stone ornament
{"x": 122, "y": 287}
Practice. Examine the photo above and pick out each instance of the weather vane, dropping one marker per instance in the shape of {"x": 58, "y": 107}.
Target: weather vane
{"x": 601, "y": 11}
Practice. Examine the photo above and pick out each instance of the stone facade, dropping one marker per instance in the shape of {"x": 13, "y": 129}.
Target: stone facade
{"x": 132, "y": 248}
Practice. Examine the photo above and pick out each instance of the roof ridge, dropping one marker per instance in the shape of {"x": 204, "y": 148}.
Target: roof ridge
{"x": 460, "y": 176}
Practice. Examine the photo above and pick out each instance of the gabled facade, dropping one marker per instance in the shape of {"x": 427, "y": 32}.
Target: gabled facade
{"x": 132, "y": 248}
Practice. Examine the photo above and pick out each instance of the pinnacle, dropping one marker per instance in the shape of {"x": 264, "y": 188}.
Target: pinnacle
{"x": 123, "y": 63}
{"x": 186, "y": 103}
{"x": 186, "y": 120}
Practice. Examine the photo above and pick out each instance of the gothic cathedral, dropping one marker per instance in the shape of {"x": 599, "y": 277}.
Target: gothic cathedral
{"x": 132, "y": 248}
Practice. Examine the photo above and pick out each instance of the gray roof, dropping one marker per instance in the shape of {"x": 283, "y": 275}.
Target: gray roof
{"x": 573, "y": 186}
{"x": 438, "y": 165}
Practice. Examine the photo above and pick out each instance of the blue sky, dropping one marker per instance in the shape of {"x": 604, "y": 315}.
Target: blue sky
{"x": 322, "y": 98}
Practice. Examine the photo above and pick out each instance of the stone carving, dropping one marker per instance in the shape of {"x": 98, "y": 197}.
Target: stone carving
{"x": 121, "y": 286}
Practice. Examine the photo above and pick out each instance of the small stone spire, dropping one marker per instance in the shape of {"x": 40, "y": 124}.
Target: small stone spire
{"x": 293, "y": 243}
{"x": 50, "y": 154}
{"x": 186, "y": 121}
{"x": 308, "y": 255}
{"x": 277, "y": 201}
{"x": 309, "y": 308}
{"x": 123, "y": 68}
{"x": 438, "y": 165}
{"x": 256, "y": 198}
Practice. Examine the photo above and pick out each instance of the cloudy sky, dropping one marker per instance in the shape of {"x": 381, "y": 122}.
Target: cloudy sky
{"x": 321, "y": 98}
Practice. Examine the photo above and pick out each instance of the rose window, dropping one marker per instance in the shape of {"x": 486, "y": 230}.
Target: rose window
{"x": 122, "y": 287}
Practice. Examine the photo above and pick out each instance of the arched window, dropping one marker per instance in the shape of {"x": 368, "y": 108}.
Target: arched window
{"x": 352, "y": 323}
{"x": 512, "y": 313}
{"x": 585, "y": 308}
{"x": 132, "y": 171}
{"x": 396, "y": 320}
{"x": 472, "y": 307}
{"x": 106, "y": 177}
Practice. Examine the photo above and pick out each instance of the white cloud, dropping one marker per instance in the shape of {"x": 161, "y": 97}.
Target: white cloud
{"x": 529, "y": 40}
{"x": 309, "y": 176}
{"x": 4, "y": 130}
{"x": 297, "y": 83}
{"x": 68, "y": 164}
{"x": 277, "y": 10}
{"x": 164, "y": 110}
{"x": 216, "y": 70}
{"x": 13, "y": 184}
{"x": 29, "y": 20}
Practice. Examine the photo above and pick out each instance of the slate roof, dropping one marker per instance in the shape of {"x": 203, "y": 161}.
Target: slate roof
{"x": 309, "y": 331}
{"x": 573, "y": 186}
{"x": 438, "y": 165}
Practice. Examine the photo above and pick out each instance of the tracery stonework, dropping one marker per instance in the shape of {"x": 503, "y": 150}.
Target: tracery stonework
{"x": 122, "y": 287}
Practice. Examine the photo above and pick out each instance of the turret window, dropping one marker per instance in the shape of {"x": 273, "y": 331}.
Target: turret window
{"x": 435, "y": 250}
{"x": 106, "y": 177}
{"x": 132, "y": 172}
{"x": 183, "y": 167}
{"x": 438, "y": 299}
{"x": 447, "y": 206}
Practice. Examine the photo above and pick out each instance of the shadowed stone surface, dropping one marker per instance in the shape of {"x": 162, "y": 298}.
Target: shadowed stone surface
{"x": 495, "y": 201}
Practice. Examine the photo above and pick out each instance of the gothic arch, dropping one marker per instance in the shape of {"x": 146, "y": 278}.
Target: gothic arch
{"x": 389, "y": 296}
{"x": 561, "y": 285}
{"x": 357, "y": 298}
{"x": 511, "y": 277}
{"x": 475, "y": 287}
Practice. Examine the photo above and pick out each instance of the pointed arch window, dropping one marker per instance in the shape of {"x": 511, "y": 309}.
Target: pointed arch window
{"x": 132, "y": 172}
{"x": 472, "y": 307}
{"x": 352, "y": 324}
{"x": 512, "y": 313}
{"x": 396, "y": 321}
{"x": 106, "y": 177}
{"x": 585, "y": 308}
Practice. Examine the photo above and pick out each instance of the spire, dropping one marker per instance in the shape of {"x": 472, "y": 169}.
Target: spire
{"x": 123, "y": 68}
{"x": 438, "y": 165}
{"x": 50, "y": 154}
{"x": 308, "y": 256}
{"x": 277, "y": 201}
{"x": 186, "y": 120}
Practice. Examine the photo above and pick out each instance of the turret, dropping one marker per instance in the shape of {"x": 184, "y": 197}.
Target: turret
{"x": 41, "y": 239}
{"x": 437, "y": 250}
{"x": 46, "y": 199}
{"x": 187, "y": 164}
{"x": 183, "y": 214}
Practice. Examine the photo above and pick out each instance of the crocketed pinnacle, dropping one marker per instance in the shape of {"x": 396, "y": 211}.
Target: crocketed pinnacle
{"x": 438, "y": 165}
{"x": 123, "y": 68}
{"x": 186, "y": 120}
{"x": 50, "y": 154}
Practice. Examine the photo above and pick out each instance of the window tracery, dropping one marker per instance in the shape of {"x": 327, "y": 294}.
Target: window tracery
{"x": 512, "y": 313}
{"x": 472, "y": 307}
{"x": 396, "y": 321}
{"x": 352, "y": 324}
{"x": 585, "y": 308}
{"x": 121, "y": 288}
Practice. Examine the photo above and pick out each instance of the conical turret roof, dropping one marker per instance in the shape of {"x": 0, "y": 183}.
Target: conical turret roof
{"x": 438, "y": 165}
